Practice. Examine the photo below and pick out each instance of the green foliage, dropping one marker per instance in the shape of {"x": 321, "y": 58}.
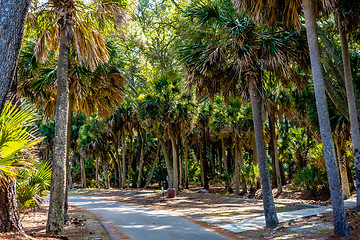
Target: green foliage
{"x": 249, "y": 174}
{"x": 32, "y": 185}
{"x": 311, "y": 178}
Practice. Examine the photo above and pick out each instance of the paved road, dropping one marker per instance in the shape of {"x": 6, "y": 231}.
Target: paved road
{"x": 140, "y": 223}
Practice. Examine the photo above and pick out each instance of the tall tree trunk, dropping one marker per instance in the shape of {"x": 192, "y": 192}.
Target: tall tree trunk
{"x": 342, "y": 166}
{"x": 241, "y": 165}
{"x": 340, "y": 222}
{"x": 142, "y": 160}
{"x": 255, "y": 160}
{"x": 269, "y": 207}
{"x": 168, "y": 164}
{"x": 224, "y": 156}
{"x": 354, "y": 123}
{"x": 55, "y": 222}
{"x": 123, "y": 161}
{"x": 83, "y": 172}
{"x": 205, "y": 162}
{"x": 68, "y": 147}
{"x": 12, "y": 22}
{"x": 275, "y": 152}
{"x": 118, "y": 176}
{"x": 186, "y": 161}
{"x": 236, "y": 162}
{"x": 131, "y": 158}
{"x": 201, "y": 167}
{"x": 175, "y": 164}
{"x": 97, "y": 172}
{"x": 105, "y": 162}
{"x": 153, "y": 166}
{"x": 9, "y": 215}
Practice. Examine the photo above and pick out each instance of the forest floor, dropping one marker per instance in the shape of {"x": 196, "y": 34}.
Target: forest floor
{"x": 214, "y": 209}
{"x": 82, "y": 225}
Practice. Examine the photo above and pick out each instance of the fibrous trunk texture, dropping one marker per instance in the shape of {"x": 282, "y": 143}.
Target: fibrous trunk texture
{"x": 271, "y": 219}
{"x": 12, "y": 22}
{"x": 9, "y": 215}
{"x": 168, "y": 164}
{"x": 55, "y": 223}
{"x": 340, "y": 222}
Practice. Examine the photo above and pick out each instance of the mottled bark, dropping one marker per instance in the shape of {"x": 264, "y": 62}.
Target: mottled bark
{"x": 175, "y": 164}
{"x": 168, "y": 164}
{"x": 340, "y": 222}
{"x": 83, "y": 172}
{"x": 354, "y": 121}
{"x": 12, "y": 22}
{"x": 142, "y": 159}
{"x": 186, "y": 161}
{"x": 55, "y": 223}
{"x": 123, "y": 161}
{"x": 271, "y": 219}
{"x": 9, "y": 215}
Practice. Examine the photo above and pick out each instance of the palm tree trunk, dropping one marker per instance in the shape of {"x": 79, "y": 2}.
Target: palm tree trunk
{"x": 342, "y": 166}
{"x": 97, "y": 172}
{"x": 153, "y": 166}
{"x": 55, "y": 222}
{"x": 131, "y": 157}
{"x": 354, "y": 124}
{"x": 241, "y": 165}
{"x": 175, "y": 164}
{"x": 105, "y": 162}
{"x": 12, "y": 22}
{"x": 186, "y": 160}
{"x": 142, "y": 156}
{"x": 205, "y": 162}
{"x": 168, "y": 164}
{"x": 236, "y": 162}
{"x": 68, "y": 146}
{"x": 275, "y": 152}
{"x": 118, "y": 176}
{"x": 83, "y": 172}
{"x": 9, "y": 215}
{"x": 123, "y": 161}
{"x": 269, "y": 207}
{"x": 224, "y": 156}
{"x": 201, "y": 167}
{"x": 340, "y": 222}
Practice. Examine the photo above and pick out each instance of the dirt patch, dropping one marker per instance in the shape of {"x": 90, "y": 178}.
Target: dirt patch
{"x": 82, "y": 225}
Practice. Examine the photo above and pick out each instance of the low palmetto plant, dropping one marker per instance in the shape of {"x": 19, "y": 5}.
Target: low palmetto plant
{"x": 32, "y": 185}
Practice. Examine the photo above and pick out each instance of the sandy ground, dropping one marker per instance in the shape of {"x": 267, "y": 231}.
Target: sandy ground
{"x": 82, "y": 225}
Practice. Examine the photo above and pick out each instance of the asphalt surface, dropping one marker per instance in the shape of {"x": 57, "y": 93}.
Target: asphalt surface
{"x": 140, "y": 223}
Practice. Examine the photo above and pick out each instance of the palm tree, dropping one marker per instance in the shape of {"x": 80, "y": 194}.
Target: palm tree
{"x": 12, "y": 22}
{"x": 289, "y": 13}
{"x": 348, "y": 16}
{"x": 240, "y": 52}
{"x": 66, "y": 20}
{"x": 17, "y": 146}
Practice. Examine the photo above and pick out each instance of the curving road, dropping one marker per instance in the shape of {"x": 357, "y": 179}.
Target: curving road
{"x": 140, "y": 223}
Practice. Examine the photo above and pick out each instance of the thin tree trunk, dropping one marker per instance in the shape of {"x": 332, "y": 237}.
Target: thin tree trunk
{"x": 175, "y": 164}
{"x": 131, "y": 157}
{"x": 142, "y": 156}
{"x": 241, "y": 165}
{"x": 343, "y": 172}
{"x": 123, "y": 161}
{"x": 153, "y": 166}
{"x": 186, "y": 160}
{"x": 118, "y": 176}
{"x": 201, "y": 167}
{"x": 9, "y": 215}
{"x": 83, "y": 172}
{"x": 224, "y": 156}
{"x": 12, "y": 22}
{"x": 354, "y": 123}
{"x": 255, "y": 161}
{"x": 269, "y": 207}
{"x": 97, "y": 172}
{"x": 168, "y": 164}
{"x": 340, "y": 222}
{"x": 55, "y": 222}
{"x": 105, "y": 162}
{"x": 236, "y": 162}
{"x": 275, "y": 152}
{"x": 205, "y": 162}
{"x": 68, "y": 147}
